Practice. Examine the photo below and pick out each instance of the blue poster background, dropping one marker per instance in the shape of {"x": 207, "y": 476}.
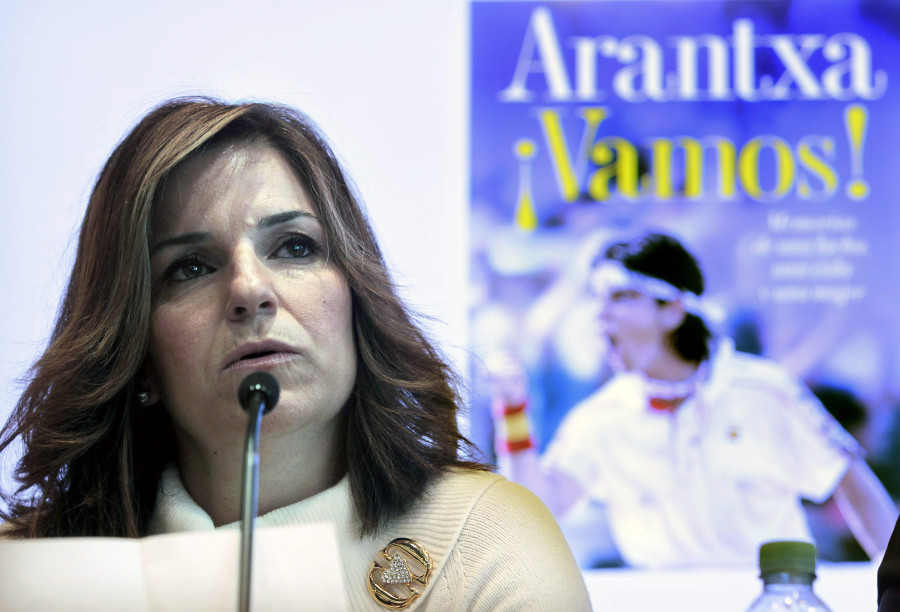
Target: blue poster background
{"x": 764, "y": 135}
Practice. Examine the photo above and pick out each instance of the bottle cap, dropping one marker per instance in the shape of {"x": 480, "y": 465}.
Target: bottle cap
{"x": 787, "y": 556}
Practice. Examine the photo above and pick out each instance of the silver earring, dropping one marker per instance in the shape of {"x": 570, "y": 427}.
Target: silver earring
{"x": 143, "y": 397}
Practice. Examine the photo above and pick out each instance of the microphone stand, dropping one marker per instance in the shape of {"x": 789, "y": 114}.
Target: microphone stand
{"x": 250, "y": 495}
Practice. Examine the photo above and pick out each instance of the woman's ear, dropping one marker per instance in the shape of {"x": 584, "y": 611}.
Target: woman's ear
{"x": 147, "y": 388}
{"x": 672, "y": 315}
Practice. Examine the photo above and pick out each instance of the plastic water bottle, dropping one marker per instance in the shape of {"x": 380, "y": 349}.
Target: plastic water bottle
{"x": 787, "y": 570}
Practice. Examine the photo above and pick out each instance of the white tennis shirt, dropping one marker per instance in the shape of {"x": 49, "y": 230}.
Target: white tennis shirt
{"x": 707, "y": 484}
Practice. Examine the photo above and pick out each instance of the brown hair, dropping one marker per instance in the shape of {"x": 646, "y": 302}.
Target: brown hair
{"x": 92, "y": 457}
{"x": 664, "y": 257}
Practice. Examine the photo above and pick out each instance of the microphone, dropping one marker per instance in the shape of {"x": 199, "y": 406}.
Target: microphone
{"x": 258, "y": 387}
{"x": 258, "y": 394}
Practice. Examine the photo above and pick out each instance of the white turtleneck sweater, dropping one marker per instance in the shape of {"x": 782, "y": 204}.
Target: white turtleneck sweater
{"x": 493, "y": 544}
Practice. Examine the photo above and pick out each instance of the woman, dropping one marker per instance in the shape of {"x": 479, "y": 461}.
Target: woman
{"x": 222, "y": 239}
{"x": 693, "y": 453}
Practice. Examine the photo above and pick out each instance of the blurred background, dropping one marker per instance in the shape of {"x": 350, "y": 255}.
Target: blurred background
{"x": 761, "y": 134}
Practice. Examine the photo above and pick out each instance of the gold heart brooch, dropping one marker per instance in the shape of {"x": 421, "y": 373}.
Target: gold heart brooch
{"x": 392, "y": 587}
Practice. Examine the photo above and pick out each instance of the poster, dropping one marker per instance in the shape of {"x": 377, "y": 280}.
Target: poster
{"x": 762, "y": 134}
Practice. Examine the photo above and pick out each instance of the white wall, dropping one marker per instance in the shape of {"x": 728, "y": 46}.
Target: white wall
{"x": 387, "y": 81}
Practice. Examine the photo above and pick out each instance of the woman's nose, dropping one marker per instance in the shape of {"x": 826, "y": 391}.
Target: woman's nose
{"x": 251, "y": 292}
{"x": 603, "y": 310}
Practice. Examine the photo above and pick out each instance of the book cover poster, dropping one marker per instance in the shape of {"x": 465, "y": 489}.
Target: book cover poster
{"x": 764, "y": 135}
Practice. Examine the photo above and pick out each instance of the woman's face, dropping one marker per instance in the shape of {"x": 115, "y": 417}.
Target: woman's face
{"x": 243, "y": 282}
{"x": 634, "y": 326}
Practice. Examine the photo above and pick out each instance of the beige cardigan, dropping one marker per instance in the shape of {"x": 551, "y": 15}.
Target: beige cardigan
{"x": 493, "y": 544}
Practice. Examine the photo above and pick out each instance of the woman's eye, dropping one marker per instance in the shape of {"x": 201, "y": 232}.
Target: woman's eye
{"x": 187, "y": 269}
{"x": 622, "y": 296}
{"x": 296, "y": 246}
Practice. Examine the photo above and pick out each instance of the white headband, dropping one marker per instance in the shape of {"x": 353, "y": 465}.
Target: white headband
{"x": 612, "y": 275}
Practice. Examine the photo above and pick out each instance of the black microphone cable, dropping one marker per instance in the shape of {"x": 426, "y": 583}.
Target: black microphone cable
{"x": 258, "y": 394}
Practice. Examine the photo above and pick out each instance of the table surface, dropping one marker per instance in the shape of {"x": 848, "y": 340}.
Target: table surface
{"x": 844, "y": 587}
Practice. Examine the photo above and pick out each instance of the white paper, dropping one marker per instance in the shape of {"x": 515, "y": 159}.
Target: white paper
{"x": 294, "y": 568}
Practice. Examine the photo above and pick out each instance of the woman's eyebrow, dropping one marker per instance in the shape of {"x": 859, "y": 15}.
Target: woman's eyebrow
{"x": 199, "y": 237}
{"x": 273, "y": 220}
{"x": 181, "y": 239}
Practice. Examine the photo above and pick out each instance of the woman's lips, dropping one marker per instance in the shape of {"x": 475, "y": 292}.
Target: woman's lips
{"x": 262, "y": 361}
{"x": 259, "y": 355}
{"x": 614, "y": 354}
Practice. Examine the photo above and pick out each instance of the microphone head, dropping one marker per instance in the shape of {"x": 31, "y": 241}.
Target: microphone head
{"x": 259, "y": 382}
